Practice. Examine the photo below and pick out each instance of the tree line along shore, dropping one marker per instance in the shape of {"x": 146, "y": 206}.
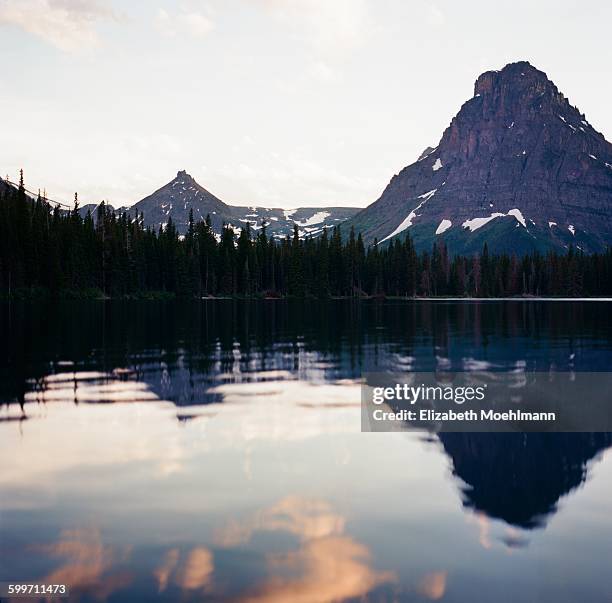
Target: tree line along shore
{"x": 45, "y": 251}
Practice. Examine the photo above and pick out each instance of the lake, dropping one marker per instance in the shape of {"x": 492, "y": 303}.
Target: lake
{"x": 212, "y": 451}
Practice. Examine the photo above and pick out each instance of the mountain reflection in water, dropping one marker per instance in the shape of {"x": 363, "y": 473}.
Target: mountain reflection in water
{"x": 519, "y": 477}
{"x": 212, "y": 451}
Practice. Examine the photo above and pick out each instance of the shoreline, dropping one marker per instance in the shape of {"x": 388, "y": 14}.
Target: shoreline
{"x": 157, "y": 296}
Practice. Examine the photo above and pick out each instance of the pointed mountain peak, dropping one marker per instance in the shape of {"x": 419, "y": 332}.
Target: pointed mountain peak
{"x": 183, "y": 175}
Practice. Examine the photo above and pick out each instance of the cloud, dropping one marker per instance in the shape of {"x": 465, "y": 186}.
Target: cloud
{"x": 163, "y": 572}
{"x": 303, "y": 517}
{"x": 321, "y": 71}
{"x": 332, "y": 569}
{"x": 268, "y": 176}
{"x": 435, "y": 16}
{"x": 332, "y": 28}
{"x": 185, "y": 21}
{"x": 67, "y": 24}
{"x": 197, "y": 570}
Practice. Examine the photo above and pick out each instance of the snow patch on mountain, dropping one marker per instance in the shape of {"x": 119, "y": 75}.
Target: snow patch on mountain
{"x": 437, "y": 165}
{"x": 428, "y": 195}
{"x": 443, "y": 226}
{"x": 518, "y": 215}
{"x": 476, "y": 223}
{"x": 407, "y": 222}
{"x": 317, "y": 218}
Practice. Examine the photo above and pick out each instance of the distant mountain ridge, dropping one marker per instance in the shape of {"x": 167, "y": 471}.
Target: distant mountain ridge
{"x": 182, "y": 194}
{"x": 518, "y": 168}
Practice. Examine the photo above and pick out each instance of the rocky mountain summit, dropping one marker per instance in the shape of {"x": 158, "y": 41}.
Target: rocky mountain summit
{"x": 518, "y": 167}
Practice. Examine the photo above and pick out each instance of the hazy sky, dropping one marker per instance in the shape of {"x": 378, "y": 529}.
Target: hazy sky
{"x": 269, "y": 102}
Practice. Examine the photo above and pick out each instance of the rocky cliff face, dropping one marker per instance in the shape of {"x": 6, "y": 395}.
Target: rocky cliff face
{"x": 518, "y": 167}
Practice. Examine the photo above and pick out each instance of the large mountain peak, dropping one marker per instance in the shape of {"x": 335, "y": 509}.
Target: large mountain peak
{"x": 518, "y": 166}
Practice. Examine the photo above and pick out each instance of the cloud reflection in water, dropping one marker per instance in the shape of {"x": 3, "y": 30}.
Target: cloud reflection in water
{"x": 328, "y": 564}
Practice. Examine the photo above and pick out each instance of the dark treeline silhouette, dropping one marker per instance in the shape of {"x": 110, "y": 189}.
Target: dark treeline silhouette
{"x": 51, "y": 250}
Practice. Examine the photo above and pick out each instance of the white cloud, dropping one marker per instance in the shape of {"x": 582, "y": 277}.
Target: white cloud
{"x": 321, "y": 71}
{"x": 267, "y": 177}
{"x": 66, "y": 24}
{"x": 435, "y": 16}
{"x": 333, "y": 27}
{"x": 330, "y": 29}
{"x": 185, "y": 21}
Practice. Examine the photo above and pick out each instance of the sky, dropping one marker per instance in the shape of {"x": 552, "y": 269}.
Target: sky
{"x": 281, "y": 103}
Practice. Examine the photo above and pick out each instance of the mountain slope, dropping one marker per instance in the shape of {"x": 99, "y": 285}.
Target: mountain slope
{"x": 183, "y": 194}
{"x": 4, "y": 187}
{"x": 518, "y": 167}
{"x": 8, "y": 187}
{"x": 176, "y": 199}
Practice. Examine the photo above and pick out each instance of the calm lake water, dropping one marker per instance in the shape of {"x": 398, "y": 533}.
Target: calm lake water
{"x": 212, "y": 452}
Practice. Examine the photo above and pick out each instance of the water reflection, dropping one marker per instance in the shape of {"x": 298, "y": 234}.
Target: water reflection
{"x": 213, "y": 452}
{"x": 433, "y": 585}
{"x": 520, "y": 477}
{"x": 180, "y": 349}
{"x": 324, "y": 564}
{"x": 327, "y": 565}
{"x": 87, "y": 565}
